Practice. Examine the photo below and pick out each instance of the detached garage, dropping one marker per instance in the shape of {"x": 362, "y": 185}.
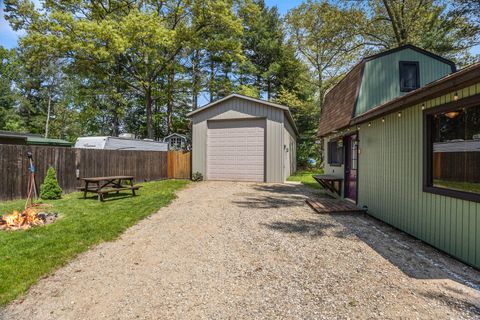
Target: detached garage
{"x": 240, "y": 138}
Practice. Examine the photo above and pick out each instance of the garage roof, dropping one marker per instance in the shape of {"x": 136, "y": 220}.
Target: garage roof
{"x": 285, "y": 109}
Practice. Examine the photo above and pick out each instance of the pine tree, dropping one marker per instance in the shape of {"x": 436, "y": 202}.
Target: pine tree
{"x": 50, "y": 189}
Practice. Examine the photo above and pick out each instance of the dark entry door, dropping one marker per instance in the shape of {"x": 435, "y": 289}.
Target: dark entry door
{"x": 351, "y": 166}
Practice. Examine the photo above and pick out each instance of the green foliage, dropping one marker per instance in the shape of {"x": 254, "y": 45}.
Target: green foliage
{"x": 326, "y": 37}
{"x": 9, "y": 119}
{"x": 141, "y": 66}
{"x": 82, "y": 223}
{"x": 197, "y": 176}
{"x": 248, "y": 90}
{"x": 307, "y": 148}
{"x": 449, "y": 29}
{"x": 50, "y": 189}
{"x": 305, "y": 177}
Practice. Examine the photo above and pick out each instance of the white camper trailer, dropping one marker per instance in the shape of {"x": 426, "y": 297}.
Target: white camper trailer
{"x": 118, "y": 143}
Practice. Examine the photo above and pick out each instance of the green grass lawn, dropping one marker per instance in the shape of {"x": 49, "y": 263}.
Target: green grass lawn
{"x": 25, "y": 256}
{"x": 305, "y": 177}
{"x": 457, "y": 185}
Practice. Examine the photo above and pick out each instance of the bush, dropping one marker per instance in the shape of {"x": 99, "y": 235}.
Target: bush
{"x": 307, "y": 151}
{"x": 197, "y": 176}
{"x": 50, "y": 189}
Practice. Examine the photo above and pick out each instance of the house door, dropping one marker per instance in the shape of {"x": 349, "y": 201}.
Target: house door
{"x": 351, "y": 166}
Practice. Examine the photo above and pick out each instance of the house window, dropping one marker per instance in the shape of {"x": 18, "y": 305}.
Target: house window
{"x": 175, "y": 142}
{"x": 452, "y": 159}
{"x": 335, "y": 152}
{"x": 409, "y": 76}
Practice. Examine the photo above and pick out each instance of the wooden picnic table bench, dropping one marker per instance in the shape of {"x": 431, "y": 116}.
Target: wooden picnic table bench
{"x": 104, "y": 185}
{"x": 329, "y": 182}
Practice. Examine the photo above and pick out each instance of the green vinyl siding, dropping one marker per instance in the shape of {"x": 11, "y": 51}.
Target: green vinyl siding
{"x": 390, "y": 184}
{"x": 381, "y": 77}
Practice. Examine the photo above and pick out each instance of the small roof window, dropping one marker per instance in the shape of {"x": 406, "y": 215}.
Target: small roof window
{"x": 409, "y": 76}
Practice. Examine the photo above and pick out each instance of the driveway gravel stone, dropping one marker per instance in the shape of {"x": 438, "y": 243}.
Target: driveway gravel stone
{"x": 230, "y": 250}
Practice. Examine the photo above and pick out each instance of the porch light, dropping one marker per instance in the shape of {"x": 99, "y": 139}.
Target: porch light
{"x": 452, "y": 114}
{"x": 383, "y": 120}
{"x": 399, "y": 114}
{"x": 369, "y": 124}
{"x": 423, "y": 106}
{"x": 455, "y": 96}
{"x": 358, "y": 128}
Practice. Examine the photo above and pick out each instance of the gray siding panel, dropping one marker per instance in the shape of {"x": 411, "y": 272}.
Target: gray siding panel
{"x": 290, "y": 141}
{"x": 236, "y": 108}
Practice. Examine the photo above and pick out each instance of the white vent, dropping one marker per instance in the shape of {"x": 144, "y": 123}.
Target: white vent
{"x": 127, "y": 136}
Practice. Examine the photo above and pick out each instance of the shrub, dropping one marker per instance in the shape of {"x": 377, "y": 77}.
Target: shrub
{"x": 50, "y": 189}
{"x": 307, "y": 151}
{"x": 197, "y": 176}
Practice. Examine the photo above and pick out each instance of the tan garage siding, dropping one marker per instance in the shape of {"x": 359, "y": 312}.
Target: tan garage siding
{"x": 239, "y": 108}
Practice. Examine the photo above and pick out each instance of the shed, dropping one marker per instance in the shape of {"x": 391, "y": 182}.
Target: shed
{"x": 241, "y": 138}
{"x": 176, "y": 141}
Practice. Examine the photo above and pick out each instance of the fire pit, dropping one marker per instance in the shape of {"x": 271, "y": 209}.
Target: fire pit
{"x": 28, "y": 218}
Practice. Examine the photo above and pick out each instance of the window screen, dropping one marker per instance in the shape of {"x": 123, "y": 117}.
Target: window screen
{"x": 335, "y": 152}
{"x": 409, "y": 76}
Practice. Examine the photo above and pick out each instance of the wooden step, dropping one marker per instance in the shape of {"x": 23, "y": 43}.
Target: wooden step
{"x": 328, "y": 206}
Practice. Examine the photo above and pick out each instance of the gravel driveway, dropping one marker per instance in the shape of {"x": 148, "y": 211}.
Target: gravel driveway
{"x": 226, "y": 250}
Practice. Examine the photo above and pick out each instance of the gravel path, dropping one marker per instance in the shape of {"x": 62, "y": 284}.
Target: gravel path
{"x": 226, "y": 250}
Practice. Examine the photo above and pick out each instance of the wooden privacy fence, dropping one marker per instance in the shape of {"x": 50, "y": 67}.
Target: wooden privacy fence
{"x": 451, "y": 166}
{"x": 179, "y": 165}
{"x": 72, "y": 164}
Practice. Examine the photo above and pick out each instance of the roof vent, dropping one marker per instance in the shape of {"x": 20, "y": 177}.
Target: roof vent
{"x": 130, "y": 136}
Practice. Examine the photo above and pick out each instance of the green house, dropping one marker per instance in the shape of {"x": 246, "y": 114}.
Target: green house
{"x": 402, "y": 132}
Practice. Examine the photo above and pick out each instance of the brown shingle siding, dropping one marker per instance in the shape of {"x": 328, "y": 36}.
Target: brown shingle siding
{"x": 340, "y": 102}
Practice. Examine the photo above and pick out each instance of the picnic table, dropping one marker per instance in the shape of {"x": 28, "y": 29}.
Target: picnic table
{"x": 329, "y": 182}
{"x": 105, "y": 185}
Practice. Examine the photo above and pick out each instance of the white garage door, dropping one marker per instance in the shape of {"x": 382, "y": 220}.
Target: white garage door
{"x": 236, "y": 150}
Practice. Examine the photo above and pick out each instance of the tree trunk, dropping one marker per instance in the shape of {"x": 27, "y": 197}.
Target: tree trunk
{"x": 212, "y": 80}
{"x": 48, "y": 115}
{"x": 170, "y": 97}
{"x": 259, "y": 84}
{"x": 321, "y": 91}
{"x": 148, "y": 107}
{"x": 115, "y": 121}
{"x": 269, "y": 90}
{"x": 195, "y": 79}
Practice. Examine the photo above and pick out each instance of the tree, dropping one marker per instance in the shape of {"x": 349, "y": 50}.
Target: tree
{"x": 271, "y": 62}
{"x": 136, "y": 42}
{"x": 9, "y": 119}
{"x": 448, "y": 29}
{"x": 50, "y": 189}
{"x": 327, "y": 41}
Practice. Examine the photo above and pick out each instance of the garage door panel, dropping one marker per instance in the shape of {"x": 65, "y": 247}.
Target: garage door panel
{"x": 236, "y": 150}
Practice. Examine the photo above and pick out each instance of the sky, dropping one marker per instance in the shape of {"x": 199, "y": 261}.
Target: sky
{"x": 8, "y": 37}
